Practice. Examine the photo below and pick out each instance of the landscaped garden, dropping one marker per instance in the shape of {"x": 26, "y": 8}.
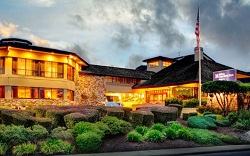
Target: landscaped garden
{"x": 50, "y": 129}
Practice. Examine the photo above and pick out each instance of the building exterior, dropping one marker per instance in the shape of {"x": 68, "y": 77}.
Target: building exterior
{"x": 39, "y": 75}
{"x": 31, "y": 72}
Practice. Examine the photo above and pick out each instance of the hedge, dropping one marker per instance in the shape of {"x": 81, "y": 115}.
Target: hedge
{"x": 57, "y": 117}
{"x": 116, "y": 112}
{"x": 143, "y": 118}
{"x": 201, "y": 122}
{"x": 177, "y": 106}
{"x": 165, "y": 114}
{"x": 127, "y": 113}
{"x": 73, "y": 118}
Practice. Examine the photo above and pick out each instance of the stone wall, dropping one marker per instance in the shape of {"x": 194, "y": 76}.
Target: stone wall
{"x": 90, "y": 89}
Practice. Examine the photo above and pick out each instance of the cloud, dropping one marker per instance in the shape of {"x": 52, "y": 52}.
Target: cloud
{"x": 123, "y": 37}
{"x": 134, "y": 61}
{"x": 38, "y": 41}
{"x": 78, "y": 21}
{"x": 42, "y": 3}
{"x": 78, "y": 49}
{"x": 8, "y": 30}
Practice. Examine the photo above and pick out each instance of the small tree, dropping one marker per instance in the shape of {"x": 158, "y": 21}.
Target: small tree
{"x": 224, "y": 92}
{"x": 244, "y": 96}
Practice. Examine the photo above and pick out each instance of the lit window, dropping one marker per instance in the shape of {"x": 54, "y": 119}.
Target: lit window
{"x": 2, "y": 92}
{"x": 1, "y": 65}
{"x": 166, "y": 64}
{"x": 153, "y": 64}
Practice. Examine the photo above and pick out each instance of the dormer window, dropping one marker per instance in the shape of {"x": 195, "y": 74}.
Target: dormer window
{"x": 153, "y": 64}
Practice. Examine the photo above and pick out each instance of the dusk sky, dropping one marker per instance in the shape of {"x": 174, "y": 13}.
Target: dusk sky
{"x": 122, "y": 33}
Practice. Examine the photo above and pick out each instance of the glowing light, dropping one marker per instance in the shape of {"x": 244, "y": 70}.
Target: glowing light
{"x": 70, "y": 56}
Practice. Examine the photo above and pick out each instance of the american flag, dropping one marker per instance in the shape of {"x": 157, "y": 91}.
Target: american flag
{"x": 197, "y": 28}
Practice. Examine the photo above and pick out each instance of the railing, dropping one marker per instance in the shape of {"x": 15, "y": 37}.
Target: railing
{"x": 37, "y": 73}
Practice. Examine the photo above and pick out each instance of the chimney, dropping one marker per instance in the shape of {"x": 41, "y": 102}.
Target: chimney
{"x": 196, "y": 53}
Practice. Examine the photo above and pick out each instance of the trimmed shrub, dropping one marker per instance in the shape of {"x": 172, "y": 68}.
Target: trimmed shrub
{"x": 92, "y": 115}
{"x": 141, "y": 129}
{"x": 206, "y": 113}
{"x": 154, "y": 136}
{"x": 201, "y": 122}
{"x": 134, "y": 137}
{"x": 213, "y": 110}
{"x": 37, "y": 132}
{"x": 145, "y": 118}
{"x": 204, "y": 136}
{"x": 232, "y": 117}
{"x": 165, "y": 114}
{"x": 223, "y": 123}
{"x": 3, "y": 148}
{"x": 116, "y": 126}
{"x": 173, "y": 101}
{"x": 213, "y": 116}
{"x": 89, "y": 142}
{"x": 127, "y": 114}
{"x": 116, "y": 112}
{"x": 41, "y": 111}
{"x": 62, "y": 133}
{"x": 192, "y": 114}
{"x": 184, "y": 134}
{"x": 102, "y": 112}
{"x": 45, "y": 122}
{"x": 73, "y": 118}
{"x": 158, "y": 126}
{"x": 177, "y": 106}
{"x": 84, "y": 127}
{"x": 57, "y": 117}
{"x": 24, "y": 149}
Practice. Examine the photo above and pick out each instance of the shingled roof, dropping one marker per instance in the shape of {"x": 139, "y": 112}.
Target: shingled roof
{"x": 185, "y": 71}
{"x": 117, "y": 72}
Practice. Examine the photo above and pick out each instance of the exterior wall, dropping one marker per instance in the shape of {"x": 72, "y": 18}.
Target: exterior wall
{"x": 19, "y": 103}
{"x": 119, "y": 87}
{"x": 90, "y": 89}
{"x": 155, "y": 69}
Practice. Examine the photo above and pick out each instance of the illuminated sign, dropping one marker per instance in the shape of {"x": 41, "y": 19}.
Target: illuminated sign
{"x": 225, "y": 75}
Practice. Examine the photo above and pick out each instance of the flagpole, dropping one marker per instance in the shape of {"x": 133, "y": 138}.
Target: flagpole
{"x": 199, "y": 51}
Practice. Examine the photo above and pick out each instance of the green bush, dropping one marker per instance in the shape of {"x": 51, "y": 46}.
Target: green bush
{"x": 173, "y": 101}
{"x": 154, "y": 136}
{"x": 45, "y": 122}
{"x": 185, "y": 116}
{"x": 165, "y": 114}
{"x": 55, "y": 146}
{"x": 242, "y": 124}
{"x": 24, "y": 149}
{"x": 201, "y": 122}
{"x": 115, "y": 112}
{"x": 232, "y": 140}
{"x": 73, "y": 118}
{"x": 37, "y": 132}
{"x": 204, "y": 136}
{"x": 158, "y": 126}
{"x": 232, "y": 117}
{"x": 141, "y": 129}
{"x": 13, "y": 135}
{"x": 116, "y": 126}
{"x": 244, "y": 114}
{"x": 213, "y": 116}
{"x": 177, "y": 106}
{"x": 41, "y": 111}
{"x": 134, "y": 137}
{"x": 170, "y": 133}
{"x": 192, "y": 103}
{"x": 88, "y": 142}
{"x": 206, "y": 113}
{"x": 62, "y": 133}
{"x": 92, "y": 115}
{"x": 103, "y": 127}
{"x": 223, "y": 123}
{"x": 3, "y": 148}
{"x": 213, "y": 110}
{"x": 184, "y": 134}
{"x": 192, "y": 114}
{"x": 84, "y": 127}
